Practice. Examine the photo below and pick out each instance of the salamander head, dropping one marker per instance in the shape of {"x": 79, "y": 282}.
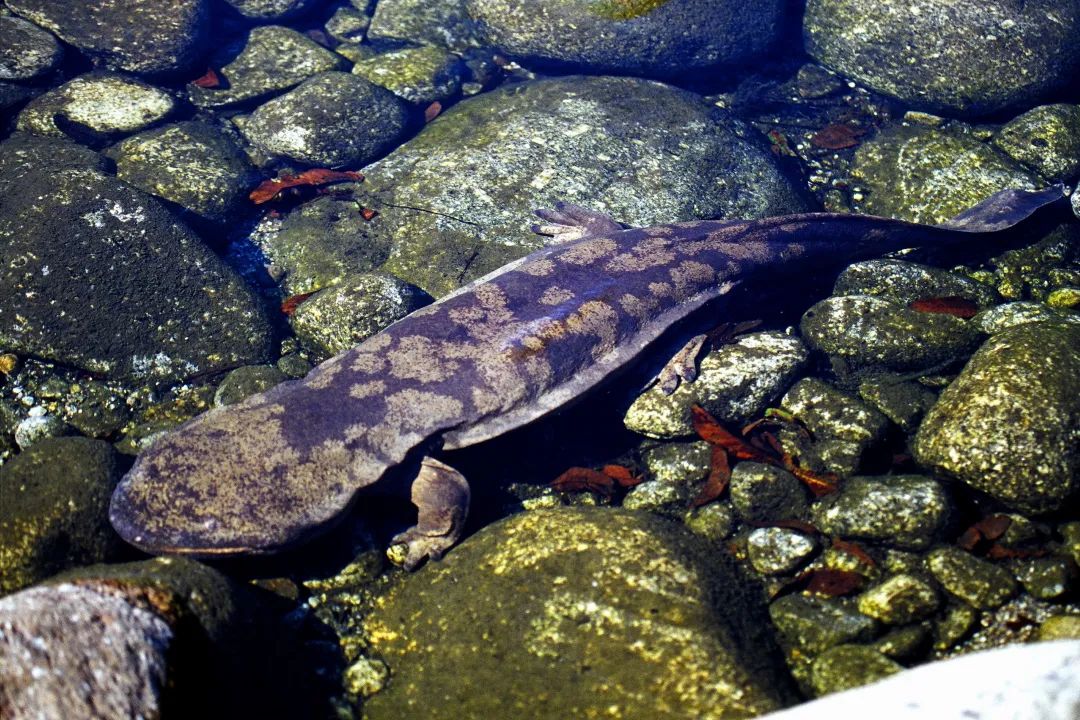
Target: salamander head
{"x": 227, "y": 483}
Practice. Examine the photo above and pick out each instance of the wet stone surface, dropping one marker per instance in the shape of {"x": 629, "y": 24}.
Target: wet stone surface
{"x": 975, "y": 581}
{"x": 94, "y": 108}
{"x": 654, "y": 39}
{"x": 54, "y": 513}
{"x": 272, "y": 60}
{"x": 735, "y": 383}
{"x": 779, "y": 551}
{"x": 843, "y": 429}
{"x": 341, "y": 316}
{"x": 928, "y": 175}
{"x": 1046, "y": 139}
{"x": 764, "y": 493}
{"x": 861, "y": 331}
{"x": 27, "y": 52}
{"x": 246, "y": 381}
{"x": 436, "y": 22}
{"x": 192, "y": 164}
{"x": 185, "y": 312}
{"x": 419, "y": 75}
{"x": 605, "y": 585}
{"x": 848, "y": 666}
{"x": 969, "y": 57}
{"x": 905, "y": 511}
{"x": 162, "y": 38}
{"x": 899, "y": 600}
{"x": 333, "y": 119}
{"x": 1007, "y": 425}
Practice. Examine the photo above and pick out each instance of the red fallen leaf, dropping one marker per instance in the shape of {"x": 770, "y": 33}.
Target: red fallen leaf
{"x": 825, "y": 581}
{"x": 853, "y": 549}
{"x": 208, "y": 81}
{"x": 712, "y": 432}
{"x": 368, "y": 213}
{"x": 1000, "y": 552}
{"x": 576, "y": 479}
{"x": 837, "y": 137}
{"x": 820, "y": 484}
{"x": 990, "y": 528}
{"x": 622, "y": 475}
{"x": 270, "y": 189}
{"x": 289, "y": 304}
{"x": 432, "y": 111}
{"x": 717, "y": 482}
{"x": 950, "y": 305}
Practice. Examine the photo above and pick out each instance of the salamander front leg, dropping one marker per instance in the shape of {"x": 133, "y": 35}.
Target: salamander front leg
{"x": 569, "y": 222}
{"x": 441, "y": 495}
{"x": 683, "y": 366}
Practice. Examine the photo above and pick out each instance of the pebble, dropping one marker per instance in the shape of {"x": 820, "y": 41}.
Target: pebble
{"x": 333, "y": 119}
{"x": 979, "y": 583}
{"x": 779, "y": 551}
{"x": 1046, "y": 139}
{"x": 27, "y": 52}
{"x": 96, "y": 107}
{"x": 420, "y": 75}
{"x": 765, "y": 493}
{"x": 845, "y": 430}
{"x": 899, "y": 600}
{"x": 904, "y": 511}
{"x": 849, "y": 666}
{"x": 735, "y": 383}
{"x": 273, "y": 59}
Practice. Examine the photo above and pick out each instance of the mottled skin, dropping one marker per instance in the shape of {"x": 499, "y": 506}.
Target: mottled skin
{"x": 505, "y": 350}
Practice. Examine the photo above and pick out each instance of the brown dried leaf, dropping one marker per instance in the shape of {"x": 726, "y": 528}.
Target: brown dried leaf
{"x": 712, "y": 432}
{"x": 837, "y": 137}
{"x": 271, "y": 189}
{"x": 951, "y": 305}
{"x": 717, "y": 482}
{"x": 622, "y": 475}
{"x": 577, "y": 479}
{"x": 208, "y": 81}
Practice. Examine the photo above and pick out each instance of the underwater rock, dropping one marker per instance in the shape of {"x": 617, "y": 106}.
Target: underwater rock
{"x": 348, "y": 25}
{"x": 165, "y": 37}
{"x": 929, "y": 175}
{"x": 339, "y": 317}
{"x": 779, "y": 551}
{"x": 272, "y": 60}
{"x": 263, "y": 10}
{"x": 844, "y": 429}
{"x": 245, "y": 381}
{"x": 23, "y": 152}
{"x": 979, "y": 583}
{"x": 964, "y": 58}
{"x": 436, "y": 22}
{"x": 904, "y": 511}
{"x": 904, "y": 402}
{"x": 858, "y": 332}
{"x": 1046, "y": 139}
{"x": 96, "y": 107}
{"x": 899, "y": 600}
{"x": 905, "y": 282}
{"x": 55, "y": 509}
{"x": 333, "y": 119}
{"x": 418, "y": 75}
{"x": 583, "y": 609}
{"x": 641, "y": 37}
{"x": 26, "y": 51}
{"x": 100, "y": 276}
{"x": 764, "y": 493}
{"x": 849, "y": 666}
{"x": 594, "y": 141}
{"x": 1010, "y": 315}
{"x": 1037, "y": 682}
{"x": 813, "y": 624}
{"x": 192, "y": 164}
{"x": 1009, "y": 424}
{"x": 735, "y": 383}
{"x": 149, "y": 639}
{"x": 678, "y": 463}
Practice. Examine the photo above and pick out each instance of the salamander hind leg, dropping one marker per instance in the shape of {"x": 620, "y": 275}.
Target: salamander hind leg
{"x": 572, "y": 222}
{"x": 682, "y": 366}
{"x": 441, "y": 495}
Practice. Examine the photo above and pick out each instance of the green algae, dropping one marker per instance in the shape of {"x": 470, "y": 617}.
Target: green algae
{"x": 626, "y": 9}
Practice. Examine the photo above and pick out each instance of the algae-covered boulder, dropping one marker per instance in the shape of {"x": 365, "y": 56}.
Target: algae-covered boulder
{"x": 962, "y": 57}
{"x": 54, "y": 509}
{"x": 146, "y": 38}
{"x": 654, "y": 38}
{"x": 457, "y": 200}
{"x": 98, "y": 275}
{"x": 1009, "y": 425}
{"x": 571, "y": 612}
{"x": 929, "y": 175}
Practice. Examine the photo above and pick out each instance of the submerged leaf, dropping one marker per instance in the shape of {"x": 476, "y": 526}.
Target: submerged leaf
{"x": 951, "y": 305}
{"x": 271, "y": 189}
